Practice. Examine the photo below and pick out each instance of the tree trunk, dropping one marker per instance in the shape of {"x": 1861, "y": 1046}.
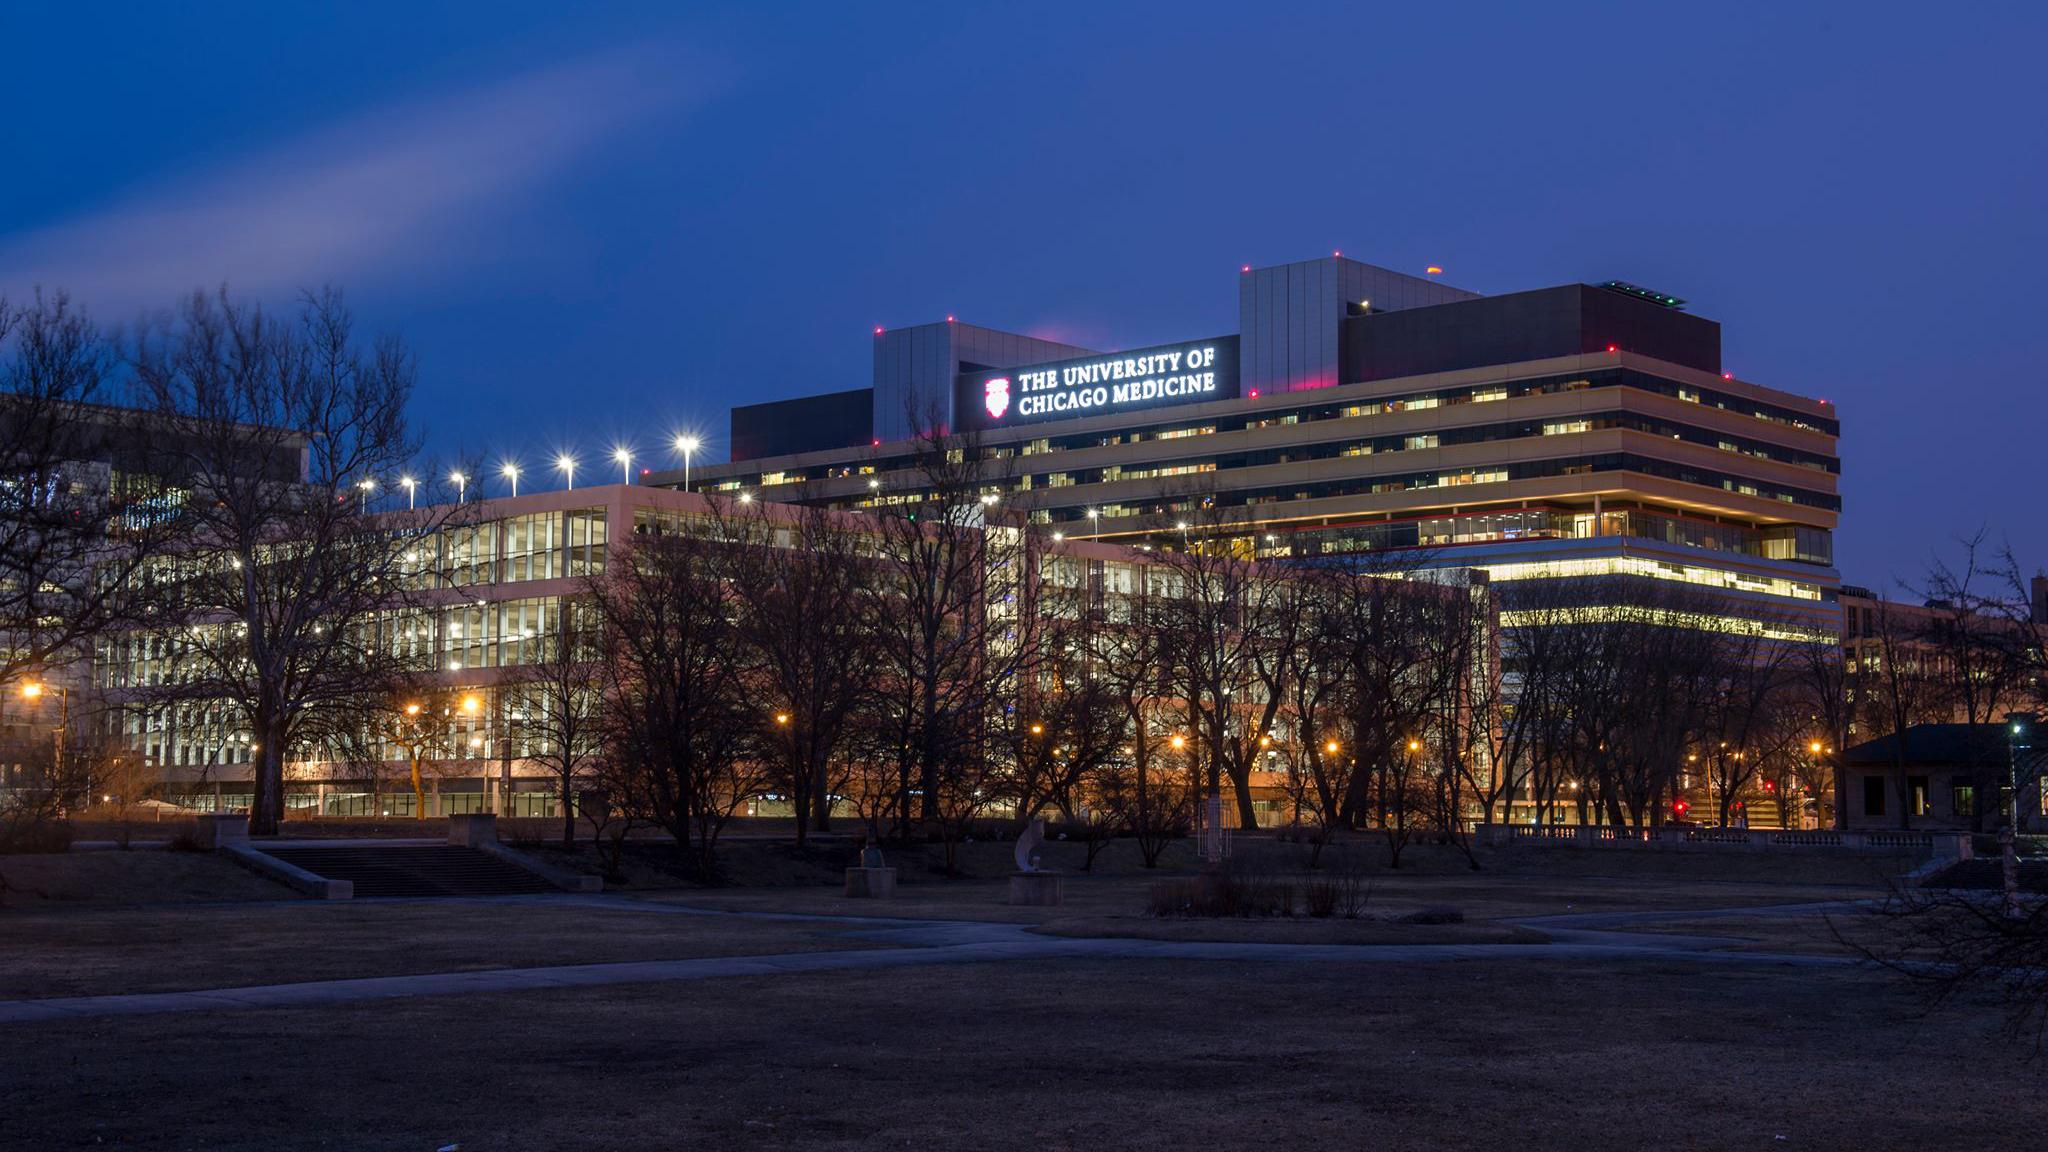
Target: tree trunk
{"x": 568, "y": 811}
{"x": 266, "y": 804}
{"x": 821, "y": 799}
{"x": 1241, "y": 783}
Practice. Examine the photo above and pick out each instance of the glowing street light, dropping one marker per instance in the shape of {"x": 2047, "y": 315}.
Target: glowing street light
{"x": 411, "y": 486}
{"x": 625, "y": 458}
{"x": 687, "y": 445}
{"x": 566, "y": 465}
{"x": 1094, "y": 522}
{"x": 368, "y": 486}
{"x": 461, "y": 486}
{"x": 33, "y": 690}
{"x": 511, "y": 472}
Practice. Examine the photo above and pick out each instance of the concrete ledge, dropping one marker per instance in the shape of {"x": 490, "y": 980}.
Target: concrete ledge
{"x": 871, "y": 883}
{"x": 561, "y": 878}
{"x": 290, "y": 875}
{"x": 1687, "y": 838}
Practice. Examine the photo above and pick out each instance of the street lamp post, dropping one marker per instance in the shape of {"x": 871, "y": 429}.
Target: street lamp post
{"x": 470, "y": 707}
{"x": 411, "y": 486}
{"x": 511, "y": 472}
{"x": 461, "y": 486}
{"x": 2009, "y": 836}
{"x": 1094, "y": 523}
{"x": 625, "y": 459}
{"x": 687, "y": 445}
{"x": 566, "y": 465}
{"x": 369, "y": 488}
{"x": 33, "y": 690}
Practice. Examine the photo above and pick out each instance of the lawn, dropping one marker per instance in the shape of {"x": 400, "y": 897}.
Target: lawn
{"x": 1060, "y": 1054}
{"x": 96, "y": 879}
{"x": 1054, "y": 1053}
{"x": 85, "y": 952}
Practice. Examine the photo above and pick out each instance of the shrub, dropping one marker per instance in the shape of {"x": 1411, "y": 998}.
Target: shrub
{"x": 35, "y": 837}
{"x": 1435, "y": 915}
{"x": 1342, "y": 893}
{"x": 1226, "y": 893}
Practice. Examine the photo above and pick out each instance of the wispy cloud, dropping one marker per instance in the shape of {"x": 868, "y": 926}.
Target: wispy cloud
{"x": 365, "y": 197}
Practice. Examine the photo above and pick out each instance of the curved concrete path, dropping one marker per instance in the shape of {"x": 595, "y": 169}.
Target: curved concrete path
{"x": 923, "y": 942}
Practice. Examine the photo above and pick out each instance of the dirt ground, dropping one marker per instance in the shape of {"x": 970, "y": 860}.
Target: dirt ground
{"x": 1059, "y": 1055}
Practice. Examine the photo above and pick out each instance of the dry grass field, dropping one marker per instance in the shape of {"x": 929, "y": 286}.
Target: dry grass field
{"x": 1697, "y": 1039}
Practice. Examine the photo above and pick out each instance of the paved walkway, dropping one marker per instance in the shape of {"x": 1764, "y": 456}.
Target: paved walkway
{"x": 925, "y": 942}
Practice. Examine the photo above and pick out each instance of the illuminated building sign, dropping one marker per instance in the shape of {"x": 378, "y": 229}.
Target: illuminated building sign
{"x": 1095, "y": 385}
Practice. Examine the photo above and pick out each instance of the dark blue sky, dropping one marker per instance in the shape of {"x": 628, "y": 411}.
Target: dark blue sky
{"x": 596, "y": 227}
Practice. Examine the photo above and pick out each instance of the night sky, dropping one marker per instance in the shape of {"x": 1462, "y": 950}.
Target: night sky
{"x": 608, "y": 227}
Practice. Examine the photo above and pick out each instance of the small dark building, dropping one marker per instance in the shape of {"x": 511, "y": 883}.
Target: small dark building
{"x": 1942, "y": 776}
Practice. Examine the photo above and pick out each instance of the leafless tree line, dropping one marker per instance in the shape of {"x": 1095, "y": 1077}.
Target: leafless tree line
{"x": 188, "y": 497}
{"x": 925, "y": 663}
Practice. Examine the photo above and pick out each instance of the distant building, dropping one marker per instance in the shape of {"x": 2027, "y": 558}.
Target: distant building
{"x": 498, "y": 584}
{"x": 1941, "y": 776}
{"x": 1576, "y": 432}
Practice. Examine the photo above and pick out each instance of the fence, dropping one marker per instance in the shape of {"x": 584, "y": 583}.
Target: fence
{"x": 1679, "y": 836}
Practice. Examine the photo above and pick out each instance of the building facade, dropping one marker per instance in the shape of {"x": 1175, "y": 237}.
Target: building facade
{"x": 1578, "y": 432}
{"x": 492, "y": 588}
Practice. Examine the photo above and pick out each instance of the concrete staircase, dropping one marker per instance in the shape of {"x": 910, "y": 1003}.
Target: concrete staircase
{"x": 411, "y": 869}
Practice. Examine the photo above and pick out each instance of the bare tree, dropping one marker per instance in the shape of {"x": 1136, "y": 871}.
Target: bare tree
{"x": 1972, "y": 645}
{"x": 287, "y": 601}
{"x": 800, "y": 581}
{"x": 1741, "y": 726}
{"x": 564, "y": 708}
{"x": 1315, "y": 743}
{"x": 954, "y": 643}
{"x": 1128, "y": 644}
{"x": 1067, "y": 724}
{"x": 1822, "y": 693}
{"x": 1233, "y": 625}
{"x": 80, "y": 513}
{"x": 682, "y": 736}
{"x": 1898, "y": 688}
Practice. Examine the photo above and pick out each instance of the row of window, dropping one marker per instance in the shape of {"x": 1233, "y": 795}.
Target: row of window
{"x": 1310, "y": 412}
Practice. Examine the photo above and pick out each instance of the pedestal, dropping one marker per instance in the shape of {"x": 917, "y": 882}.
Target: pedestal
{"x": 871, "y": 883}
{"x": 217, "y": 831}
{"x": 1035, "y": 888}
{"x": 470, "y": 829}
